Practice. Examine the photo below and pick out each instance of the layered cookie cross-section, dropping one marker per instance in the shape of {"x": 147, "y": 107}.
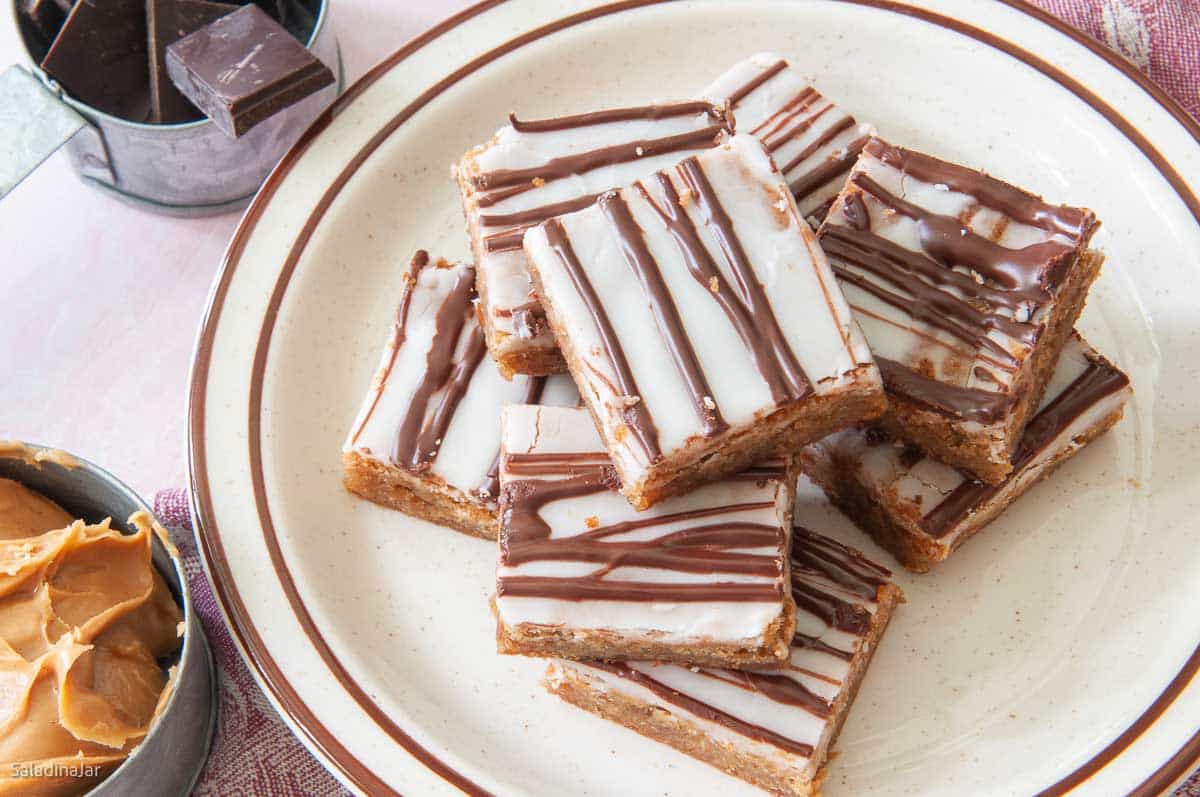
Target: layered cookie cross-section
{"x": 700, "y": 578}
{"x": 922, "y": 510}
{"x": 701, "y": 322}
{"x": 813, "y": 141}
{"x": 532, "y": 170}
{"x": 427, "y": 439}
{"x": 967, "y": 288}
{"x": 772, "y": 729}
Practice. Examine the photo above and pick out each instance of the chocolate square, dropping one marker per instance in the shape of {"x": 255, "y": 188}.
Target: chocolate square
{"x": 100, "y": 58}
{"x": 168, "y": 21}
{"x": 243, "y": 68}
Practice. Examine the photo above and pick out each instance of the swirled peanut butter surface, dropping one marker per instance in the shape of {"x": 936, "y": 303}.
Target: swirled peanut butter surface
{"x": 85, "y": 620}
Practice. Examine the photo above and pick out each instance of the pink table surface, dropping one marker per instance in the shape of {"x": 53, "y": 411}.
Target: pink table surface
{"x": 100, "y": 315}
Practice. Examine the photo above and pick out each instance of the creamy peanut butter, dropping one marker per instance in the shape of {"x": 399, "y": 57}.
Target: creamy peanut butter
{"x": 85, "y": 619}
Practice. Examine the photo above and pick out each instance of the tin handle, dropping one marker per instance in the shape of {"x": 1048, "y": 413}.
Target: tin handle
{"x": 33, "y": 124}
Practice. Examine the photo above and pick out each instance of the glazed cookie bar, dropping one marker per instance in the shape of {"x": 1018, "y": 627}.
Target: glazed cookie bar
{"x": 966, "y": 288}
{"x": 814, "y": 142}
{"x": 701, "y": 322}
{"x": 427, "y": 440}
{"x": 534, "y": 169}
{"x": 700, "y": 578}
{"x": 922, "y": 510}
{"x": 771, "y": 729}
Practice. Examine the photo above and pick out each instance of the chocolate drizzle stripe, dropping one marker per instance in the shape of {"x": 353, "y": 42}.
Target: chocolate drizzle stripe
{"x": 798, "y": 129}
{"x": 778, "y": 688}
{"x": 829, "y": 135}
{"x": 631, "y": 241}
{"x": 493, "y": 197}
{"x": 969, "y": 403}
{"x": 538, "y": 214}
{"x": 831, "y": 609}
{"x": 1025, "y": 272}
{"x": 786, "y": 112}
{"x": 640, "y": 112}
{"x": 430, "y": 441}
{"x": 452, "y": 315}
{"x": 635, "y": 416}
{"x": 582, "y": 162}
{"x": 743, "y": 91}
{"x": 535, "y": 387}
{"x": 507, "y": 241}
{"x": 813, "y": 553}
{"x": 627, "y": 526}
{"x": 1076, "y": 223}
{"x": 420, "y": 259}
{"x": 705, "y": 711}
{"x": 704, "y": 270}
{"x": 810, "y": 181}
{"x": 749, "y": 289}
{"x": 820, "y": 646}
{"x": 1098, "y": 381}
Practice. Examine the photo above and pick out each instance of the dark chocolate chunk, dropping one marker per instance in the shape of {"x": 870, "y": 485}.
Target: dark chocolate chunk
{"x": 244, "y": 68}
{"x": 100, "y": 59}
{"x": 44, "y": 16}
{"x": 168, "y": 21}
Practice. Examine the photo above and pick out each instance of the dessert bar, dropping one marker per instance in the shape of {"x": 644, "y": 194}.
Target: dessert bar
{"x": 814, "y": 142}
{"x": 922, "y": 510}
{"x": 700, "y": 578}
{"x": 700, "y": 320}
{"x": 532, "y": 170}
{"x": 771, "y": 729}
{"x": 427, "y": 438}
{"x": 966, "y": 288}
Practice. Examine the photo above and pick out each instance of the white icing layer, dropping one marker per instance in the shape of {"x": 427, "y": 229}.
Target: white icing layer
{"x": 472, "y": 439}
{"x": 505, "y": 272}
{"x": 814, "y": 142}
{"x": 548, "y": 431}
{"x": 802, "y": 300}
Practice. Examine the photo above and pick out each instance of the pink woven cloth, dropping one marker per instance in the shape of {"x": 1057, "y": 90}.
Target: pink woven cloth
{"x": 256, "y": 755}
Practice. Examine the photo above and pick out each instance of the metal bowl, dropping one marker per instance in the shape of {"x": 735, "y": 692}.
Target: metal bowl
{"x": 168, "y": 761}
{"x": 191, "y": 168}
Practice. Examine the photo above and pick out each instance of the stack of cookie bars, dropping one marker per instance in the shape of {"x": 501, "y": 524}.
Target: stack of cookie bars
{"x": 674, "y": 309}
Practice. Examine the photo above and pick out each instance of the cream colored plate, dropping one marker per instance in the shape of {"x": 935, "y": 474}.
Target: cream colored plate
{"x": 1050, "y": 648}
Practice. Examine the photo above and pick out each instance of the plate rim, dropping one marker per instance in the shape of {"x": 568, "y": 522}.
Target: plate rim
{"x": 342, "y": 762}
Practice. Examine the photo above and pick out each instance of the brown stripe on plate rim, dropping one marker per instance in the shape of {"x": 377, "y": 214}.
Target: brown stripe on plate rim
{"x": 217, "y": 565}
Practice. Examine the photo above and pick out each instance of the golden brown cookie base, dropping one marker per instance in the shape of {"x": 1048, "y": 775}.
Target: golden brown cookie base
{"x": 528, "y": 639}
{"x": 990, "y": 461}
{"x": 420, "y": 497}
{"x": 689, "y": 738}
{"x": 893, "y": 524}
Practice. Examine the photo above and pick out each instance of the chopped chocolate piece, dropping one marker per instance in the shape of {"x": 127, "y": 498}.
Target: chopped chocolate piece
{"x": 922, "y": 510}
{"x": 701, "y": 321}
{"x": 100, "y": 58}
{"x": 772, "y": 729}
{"x": 701, "y": 578}
{"x": 966, "y": 288}
{"x": 168, "y": 21}
{"x": 244, "y": 68}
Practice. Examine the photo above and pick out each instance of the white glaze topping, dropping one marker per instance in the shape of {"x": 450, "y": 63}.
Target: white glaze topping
{"x": 761, "y": 327}
{"x": 703, "y": 567}
{"x": 814, "y": 142}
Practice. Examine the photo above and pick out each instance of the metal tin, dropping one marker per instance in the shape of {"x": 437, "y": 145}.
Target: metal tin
{"x": 169, "y": 760}
{"x": 192, "y": 168}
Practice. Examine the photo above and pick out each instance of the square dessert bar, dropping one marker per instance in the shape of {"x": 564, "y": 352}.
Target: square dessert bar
{"x": 700, "y": 578}
{"x": 427, "y": 439}
{"x": 771, "y": 729}
{"x": 700, "y": 320}
{"x": 814, "y": 142}
{"x": 532, "y": 170}
{"x": 967, "y": 288}
{"x": 922, "y": 510}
